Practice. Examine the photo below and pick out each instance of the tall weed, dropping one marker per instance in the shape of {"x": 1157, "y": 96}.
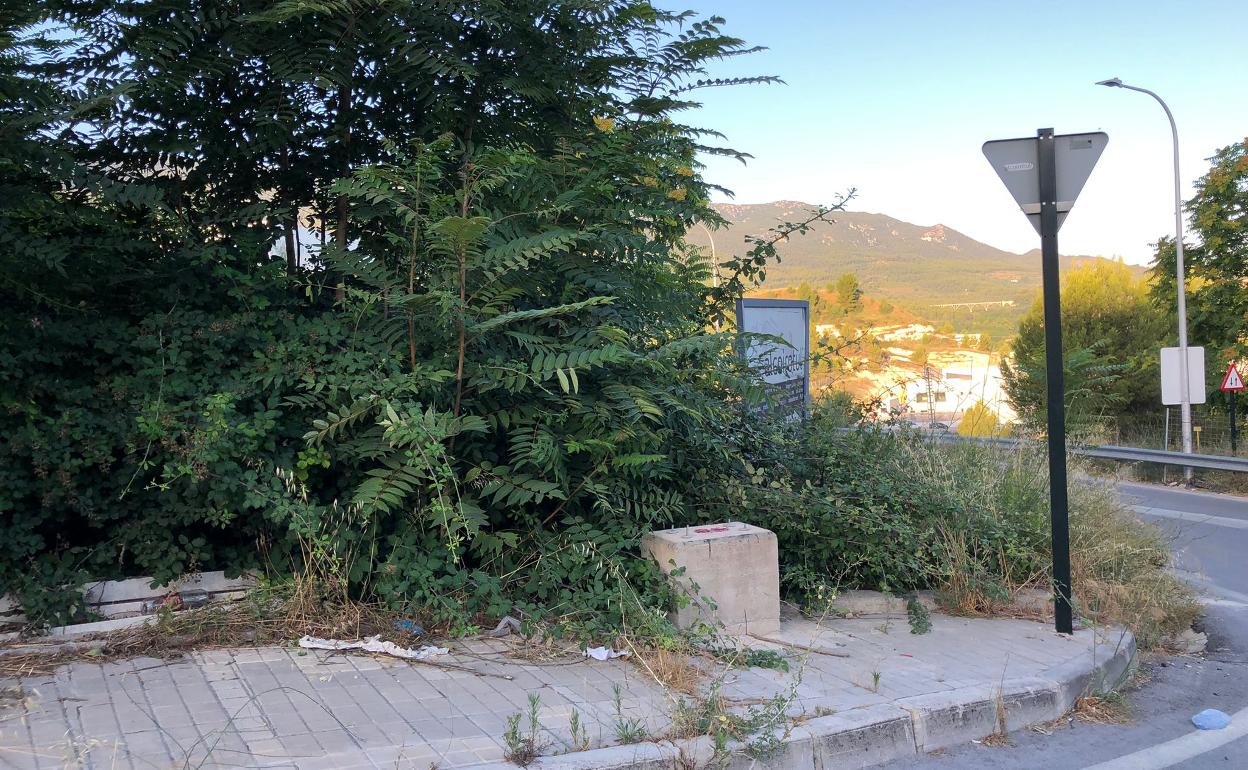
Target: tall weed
{"x": 897, "y": 510}
{"x": 999, "y": 542}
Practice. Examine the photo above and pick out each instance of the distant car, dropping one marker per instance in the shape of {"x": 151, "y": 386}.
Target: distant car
{"x": 924, "y": 426}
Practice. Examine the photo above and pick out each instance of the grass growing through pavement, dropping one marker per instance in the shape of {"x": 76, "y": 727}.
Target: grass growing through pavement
{"x": 314, "y": 600}
{"x": 524, "y": 744}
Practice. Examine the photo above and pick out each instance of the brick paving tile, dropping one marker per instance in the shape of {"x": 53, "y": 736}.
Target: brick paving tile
{"x": 277, "y": 707}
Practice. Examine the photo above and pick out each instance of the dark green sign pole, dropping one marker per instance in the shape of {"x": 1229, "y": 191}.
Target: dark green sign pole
{"x": 1028, "y": 168}
{"x": 1058, "y": 504}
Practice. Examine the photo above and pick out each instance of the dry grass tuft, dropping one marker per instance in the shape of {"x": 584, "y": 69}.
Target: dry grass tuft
{"x": 674, "y": 670}
{"x": 997, "y": 740}
{"x": 1111, "y": 709}
{"x": 1119, "y": 567}
{"x": 684, "y": 760}
{"x": 1001, "y": 735}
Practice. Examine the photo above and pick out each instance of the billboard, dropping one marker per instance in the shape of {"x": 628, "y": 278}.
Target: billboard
{"x": 784, "y": 366}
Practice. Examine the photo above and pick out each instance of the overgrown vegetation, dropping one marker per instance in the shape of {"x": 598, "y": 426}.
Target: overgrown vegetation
{"x": 896, "y": 511}
{"x": 759, "y": 729}
{"x": 917, "y": 615}
{"x": 393, "y": 303}
{"x": 628, "y": 729}
{"x": 524, "y": 744}
{"x": 406, "y": 283}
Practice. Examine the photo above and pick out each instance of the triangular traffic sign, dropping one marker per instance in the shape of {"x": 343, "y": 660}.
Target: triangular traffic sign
{"x": 1016, "y": 161}
{"x": 1232, "y": 380}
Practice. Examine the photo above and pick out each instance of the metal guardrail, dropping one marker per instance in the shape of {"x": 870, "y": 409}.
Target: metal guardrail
{"x": 1165, "y": 457}
{"x": 1110, "y": 452}
{"x": 1123, "y": 453}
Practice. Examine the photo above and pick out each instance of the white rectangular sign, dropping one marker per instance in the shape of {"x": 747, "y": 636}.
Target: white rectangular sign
{"x": 785, "y": 367}
{"x": 1172, "y": 381}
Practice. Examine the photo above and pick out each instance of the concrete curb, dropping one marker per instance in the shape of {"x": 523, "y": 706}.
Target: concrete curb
{"x": 856, "y": 603}
{"x": 873, "y": 735}
{"x": 54, "y": 636}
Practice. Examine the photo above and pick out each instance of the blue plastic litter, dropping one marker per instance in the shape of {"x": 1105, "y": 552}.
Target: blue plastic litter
{"x": 1211, "y": 719}
{"x": 408, "y": 627}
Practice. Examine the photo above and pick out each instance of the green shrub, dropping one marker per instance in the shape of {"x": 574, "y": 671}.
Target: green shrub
{"x": 489, "y": 373}
{"x": 979, "y": 420}
{"x": 842, "y": 511}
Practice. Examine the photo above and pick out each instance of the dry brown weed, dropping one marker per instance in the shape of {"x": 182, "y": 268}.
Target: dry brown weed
{"x": 1110, "y": 709}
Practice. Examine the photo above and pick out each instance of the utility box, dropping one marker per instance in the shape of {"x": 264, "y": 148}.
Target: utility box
{"x": 734, "y": 565}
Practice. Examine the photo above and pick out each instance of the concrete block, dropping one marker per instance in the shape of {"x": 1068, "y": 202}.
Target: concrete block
{"x": 735, "y": 565}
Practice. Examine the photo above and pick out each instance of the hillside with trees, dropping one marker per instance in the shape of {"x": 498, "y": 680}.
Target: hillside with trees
{"x": 912, "y": 266}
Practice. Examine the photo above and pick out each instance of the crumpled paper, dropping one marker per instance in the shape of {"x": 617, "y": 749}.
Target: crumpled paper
{"x": 373, "y": 644}
{"x": 604, "y": 653}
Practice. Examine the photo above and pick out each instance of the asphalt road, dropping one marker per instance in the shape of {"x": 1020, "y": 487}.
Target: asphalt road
{"x": 1210, "y": 539}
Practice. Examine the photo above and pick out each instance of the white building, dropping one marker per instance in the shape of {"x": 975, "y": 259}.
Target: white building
{"x": 897, "y": 333}
{"x": 953, "y": 383}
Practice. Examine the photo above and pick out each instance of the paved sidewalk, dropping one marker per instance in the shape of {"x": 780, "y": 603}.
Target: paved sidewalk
{"x": 277, "y": 707}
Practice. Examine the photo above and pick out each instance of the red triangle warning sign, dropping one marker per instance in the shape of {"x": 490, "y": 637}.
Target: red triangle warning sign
{"x": 1232, "y": 380}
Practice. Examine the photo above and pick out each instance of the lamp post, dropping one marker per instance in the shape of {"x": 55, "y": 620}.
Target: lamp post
{"x": 1185, "y": 407}
{"x": 714, "y": 263}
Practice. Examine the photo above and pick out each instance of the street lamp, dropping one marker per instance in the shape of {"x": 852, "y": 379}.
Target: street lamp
{"x": 1181, "y": 287}
{"x": 714, "y": 263}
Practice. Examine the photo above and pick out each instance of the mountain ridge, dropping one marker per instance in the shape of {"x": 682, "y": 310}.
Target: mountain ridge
{"x": 923, "y": 267}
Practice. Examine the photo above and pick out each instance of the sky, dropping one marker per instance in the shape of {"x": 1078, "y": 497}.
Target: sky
{"x": 895, "y": 98}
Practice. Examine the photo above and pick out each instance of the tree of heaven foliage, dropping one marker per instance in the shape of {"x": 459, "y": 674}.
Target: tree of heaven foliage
{"x": 485, "y": 375}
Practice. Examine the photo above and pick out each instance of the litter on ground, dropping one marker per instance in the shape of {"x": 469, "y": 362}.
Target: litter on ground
{"x": 604, "y": 653}
{"x": 373, "y": 644}
{"x": 1211, "y": 719}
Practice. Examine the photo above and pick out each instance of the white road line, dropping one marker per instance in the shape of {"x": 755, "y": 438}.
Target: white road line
{"x": 1229, "y": 597}
{"x": 1199, "y": 518}
{"x": 1128, "y": 486}
{"x": 1197, "y": 742}
{"x": 1180, "y": 749}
